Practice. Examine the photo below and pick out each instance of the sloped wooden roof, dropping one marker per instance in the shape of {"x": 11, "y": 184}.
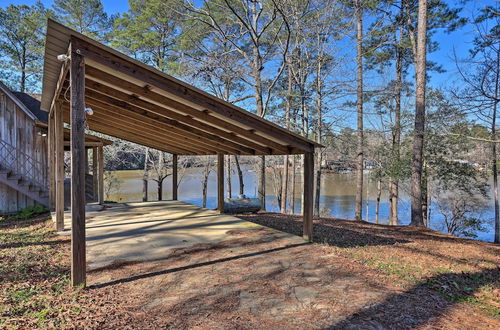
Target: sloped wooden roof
{"x": 138, "y": 103}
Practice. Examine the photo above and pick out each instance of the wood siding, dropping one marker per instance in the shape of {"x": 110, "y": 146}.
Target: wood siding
{"x": 19, "y": 131}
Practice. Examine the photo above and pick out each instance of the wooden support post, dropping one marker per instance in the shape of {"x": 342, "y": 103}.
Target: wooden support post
{"x": 77, "y": 84}
{"x": 100, "y": 175}
{"x": 95, "y": 182}
{"x": 59, "y": 166}
{"x": 308, "y": 181}
{"x": 86, "y": 160}
{"x": 220, "y": 182}
{"x": 51, "y": 158}
{"x": 175, "y": 181}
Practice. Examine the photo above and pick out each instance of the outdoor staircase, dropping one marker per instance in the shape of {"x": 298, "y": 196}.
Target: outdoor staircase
{"x": 24, "y": 174}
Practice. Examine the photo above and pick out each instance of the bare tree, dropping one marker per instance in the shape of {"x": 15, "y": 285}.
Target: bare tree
{"x": 481, "y": 74}
{"x": 258, "y": 26}
{"x": 207, "y": 164}
{"x": 159, "y": 165}
{"x": 240, "y": 175}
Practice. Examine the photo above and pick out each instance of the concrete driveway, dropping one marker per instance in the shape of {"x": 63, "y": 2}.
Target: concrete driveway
{"x": 149, "y": 231}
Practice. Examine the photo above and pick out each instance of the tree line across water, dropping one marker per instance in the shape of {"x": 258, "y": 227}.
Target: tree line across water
{"x": 352, "y": 75}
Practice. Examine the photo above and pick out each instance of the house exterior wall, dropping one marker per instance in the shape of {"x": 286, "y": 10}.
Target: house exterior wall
{"x": 23, "y": 148}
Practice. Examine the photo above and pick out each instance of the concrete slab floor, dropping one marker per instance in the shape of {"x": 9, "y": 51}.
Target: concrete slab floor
{"x": 148, "y": 231}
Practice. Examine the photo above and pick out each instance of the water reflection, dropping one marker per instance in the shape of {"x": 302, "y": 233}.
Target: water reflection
{"x": 338, "y": 193}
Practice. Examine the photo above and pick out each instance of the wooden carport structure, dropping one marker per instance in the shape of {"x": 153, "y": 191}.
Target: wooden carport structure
{"x": 135, "y": 102}
{"x": 59, "y": 141}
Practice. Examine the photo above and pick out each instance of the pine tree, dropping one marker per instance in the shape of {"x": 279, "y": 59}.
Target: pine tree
{"x": 22, "y": 30}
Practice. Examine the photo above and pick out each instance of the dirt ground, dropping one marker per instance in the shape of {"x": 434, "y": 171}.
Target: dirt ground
{"x": 356, "y": 275}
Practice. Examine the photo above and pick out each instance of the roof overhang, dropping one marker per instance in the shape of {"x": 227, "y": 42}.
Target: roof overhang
{"x": 90, "y": 140}
{"x": 135, "y": 102}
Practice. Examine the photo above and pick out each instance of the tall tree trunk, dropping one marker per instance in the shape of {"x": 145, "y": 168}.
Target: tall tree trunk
{"x": 319, "y": 126}
{"x": 494, "y": 153}
{"x": 23, "y": 71}
{"x": 145, "y": 177}
{"x": 359, "y": 163}
{"x": 204, "y": 182}
{"x": 377, "y": 202}
{"x": 228, "y": 176}
{"x": 204, "y": 191}
{"x": 292, "y": 183}
{"x": 425, "y": 194}
{"x": 396, "y": 133}
{"x": 261, "y": 161}
{"x": 160, "y": 189}
{"x": 240, "y": 175}
{"x": 256, "y": 72}
{"x": 417, "y": 218}
{"x": 288, "y": 105}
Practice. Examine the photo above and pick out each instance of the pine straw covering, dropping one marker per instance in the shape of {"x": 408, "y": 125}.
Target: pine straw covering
{"x": 357, "y": 274}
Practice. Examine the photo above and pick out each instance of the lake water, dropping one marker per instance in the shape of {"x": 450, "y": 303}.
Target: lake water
{"x": 338, "y": 193}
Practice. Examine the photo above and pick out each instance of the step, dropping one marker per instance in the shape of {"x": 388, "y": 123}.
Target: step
{"x": 15, "y": 177}
{"x": 32, "y": 191}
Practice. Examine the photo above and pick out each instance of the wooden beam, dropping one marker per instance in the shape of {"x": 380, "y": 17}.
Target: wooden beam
{"x": 95, "y": 182}
{"x": 100, "y": 174}
{"x": 118, "y": 129}
{"x": 51, "y": 158}
{"x": 170, "y": 85}
{"x": 59, "y": 166}
{"x": 308, "y": 181}
{"x": 87, "y": 144}
{"x": 86, "y": 160}
{"x": 60, "y": 82}
{"x": 125, "y": 101}
{"x": 174, "y": 177}
{"x": 158, "y": 123}
{"x": 146, "y": 124}
{"x": 78, "y": 251}
{"x": 266, "y": 145}
{"x": 220, "y": 182}
{"x": 133, "y": 134}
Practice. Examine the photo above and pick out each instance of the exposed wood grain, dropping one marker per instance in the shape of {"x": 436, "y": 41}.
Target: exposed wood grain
{"x": 220, "y": 182}
{"x": 59, "y": 166}
{"x": 147, "y": 124}
{"x": 95, "y": 182}
{"x": 180, "y": 90}
{"x": 175, "y": 172}
{"x": 204, "y": 116}
{"x": 123, "y": 100}
{"x": 78, "y": 251}
{"x": 100, "y": 174}
{"x": 51, "y": 150}
{"x": 308, "y": 189}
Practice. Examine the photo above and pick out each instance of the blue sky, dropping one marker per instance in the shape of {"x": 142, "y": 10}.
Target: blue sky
{"x": 459, "y": 40}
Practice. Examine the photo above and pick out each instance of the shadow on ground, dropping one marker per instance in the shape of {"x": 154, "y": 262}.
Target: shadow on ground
{"x": 340, "y": 236}
{"x": 422, "y": 304}
{"x": 177, "y": 269}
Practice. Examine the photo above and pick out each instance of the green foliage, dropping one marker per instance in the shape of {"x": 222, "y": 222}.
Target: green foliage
{"x": 22, "y": 31}
{"x": 149, "y": 32}
{"x": 459, "y": 188}
{"x": 29, "y": 212}
{"x": 394, "y": 31}
{"x": 85, "y": 16}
